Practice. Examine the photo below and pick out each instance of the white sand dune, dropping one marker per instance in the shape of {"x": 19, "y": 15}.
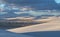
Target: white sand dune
{"x": 53, "y": 25}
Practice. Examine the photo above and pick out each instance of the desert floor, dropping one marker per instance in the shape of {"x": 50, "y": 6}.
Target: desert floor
{"x": 48, "y": 29}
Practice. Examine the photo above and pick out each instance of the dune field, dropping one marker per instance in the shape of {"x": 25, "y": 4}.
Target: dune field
{"x": 52, "y": 24}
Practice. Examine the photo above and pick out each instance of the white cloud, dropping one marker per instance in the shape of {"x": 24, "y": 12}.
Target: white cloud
{"x": 57, "y": 1}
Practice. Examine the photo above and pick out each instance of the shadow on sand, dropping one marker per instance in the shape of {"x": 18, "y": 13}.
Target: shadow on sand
{"x": 44, "y": 34}
{"x": 9, "y": 25}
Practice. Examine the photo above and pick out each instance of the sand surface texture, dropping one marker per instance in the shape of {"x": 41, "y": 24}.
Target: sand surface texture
{"x": 53, "y": 25}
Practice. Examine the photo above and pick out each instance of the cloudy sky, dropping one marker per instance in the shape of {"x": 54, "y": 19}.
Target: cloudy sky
{"x": 57, "y": 1}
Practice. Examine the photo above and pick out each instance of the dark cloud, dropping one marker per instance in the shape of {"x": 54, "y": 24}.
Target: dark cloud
{"x": 38, "y": 4}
